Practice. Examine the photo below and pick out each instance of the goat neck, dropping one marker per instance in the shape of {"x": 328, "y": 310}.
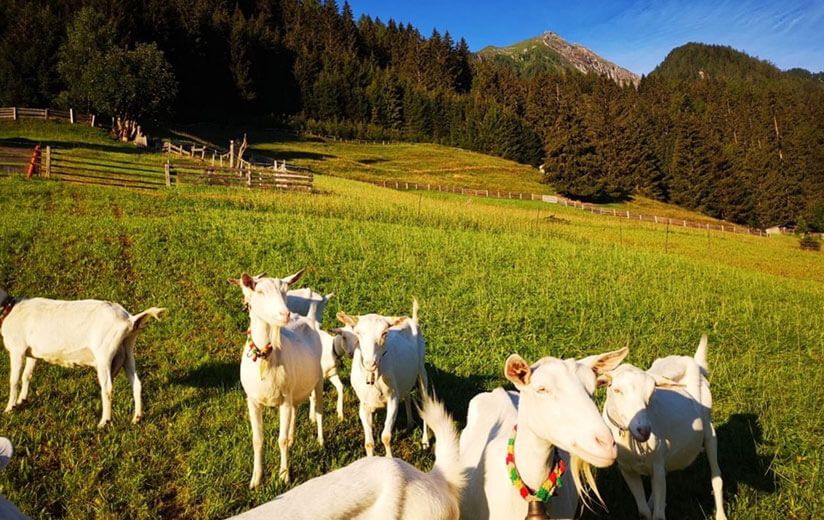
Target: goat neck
{"x": 261, "y": 331}
{"x": 533, "y": 455}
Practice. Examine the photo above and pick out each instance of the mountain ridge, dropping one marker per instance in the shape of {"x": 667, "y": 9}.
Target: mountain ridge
{"x": 550, "y": 51}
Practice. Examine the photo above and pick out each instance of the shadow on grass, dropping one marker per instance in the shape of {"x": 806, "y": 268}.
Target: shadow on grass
{"x": 213, "y": 374}
{"x": 456, "y": 391}
{"x": 689, "y": 491}
{"x": 29, "y": 143}
{"x": 291, "y": 155}
{"x": 371, "y": 161}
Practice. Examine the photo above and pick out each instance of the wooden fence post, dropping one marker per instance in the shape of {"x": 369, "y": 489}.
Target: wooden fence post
{"x": 71, "y": 115}
{"x": 47, "y": 163}
{"x": 248, "y": 176}
{"x": 45, "y": 113}
{"x": 232, "y": 153}
{"x": 167, "y": 172}
{"x": 14, "y": 113}
{"x": 91, "y": 123}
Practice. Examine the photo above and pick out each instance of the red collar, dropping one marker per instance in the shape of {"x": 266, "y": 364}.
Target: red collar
{"x": 254, "y": 352}
{"x": 6, "y": 308}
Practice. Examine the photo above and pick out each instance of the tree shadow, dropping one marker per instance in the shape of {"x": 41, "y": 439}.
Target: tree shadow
{"x": 689, "y": 491}
{"x": 212, "y": 374}
{"x": 29, "y": 143}
{"x": 375, "y": 160}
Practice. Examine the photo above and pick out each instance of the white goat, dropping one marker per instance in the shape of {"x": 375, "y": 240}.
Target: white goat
{"x": 306, "y": 302}
{"x": 555, "y": 419}
{"x": 377, "y": 488}
{"x": 280, "y": 366}
{"x": 8, "y": 511}
{"x": 661, "y": 420}
{"x": 387, "y": 359}
{"x": 298, "y": 301}
{"x": 91, "y": 333}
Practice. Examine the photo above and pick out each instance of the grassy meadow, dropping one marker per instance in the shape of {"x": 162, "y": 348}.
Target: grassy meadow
{"x": 493, "y": 277}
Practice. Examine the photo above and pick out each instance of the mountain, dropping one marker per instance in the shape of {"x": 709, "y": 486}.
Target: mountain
{"x": 549, "y": 52}
{"x": 702, "y": 61}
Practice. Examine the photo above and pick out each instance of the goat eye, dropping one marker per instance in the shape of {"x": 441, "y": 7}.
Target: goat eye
{"x": 617, "y": 391}
{"x": 542, "y": 390}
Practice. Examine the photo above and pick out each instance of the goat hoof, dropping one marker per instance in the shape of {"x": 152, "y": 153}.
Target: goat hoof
{"x": 320, "y": 441}
{"x": 8, "y": 409}
{"x": 425, "y": 445}
{"x": 254, "y": 483}
{"x": 102, "y": 424}
{"x": 137, "y": 419}
{"x": 21, "y": 401}
{"x": 284, "y": 475}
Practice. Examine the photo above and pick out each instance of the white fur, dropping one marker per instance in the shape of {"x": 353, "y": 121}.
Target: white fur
{"x": 553, "y": 409}
{"x": 378, "y": 488}
{"x": 306, "y": 302}
{"x": 90, "y": 333}
{"x": 288, "y": 376}
{"x": 661, "y": 421}
{"x": 387, "y": 360}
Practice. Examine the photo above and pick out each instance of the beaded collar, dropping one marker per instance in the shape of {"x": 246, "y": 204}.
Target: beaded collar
{"x": 551, "y": 486}
{"x": 254, "y": 351}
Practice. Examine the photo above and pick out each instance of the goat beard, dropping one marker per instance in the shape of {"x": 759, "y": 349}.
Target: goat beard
{"x": 584, "y": 480}
{"x": 264, "y": 362}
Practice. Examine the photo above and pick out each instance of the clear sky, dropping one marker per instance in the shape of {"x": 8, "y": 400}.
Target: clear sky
{"x": 635, "y": 34}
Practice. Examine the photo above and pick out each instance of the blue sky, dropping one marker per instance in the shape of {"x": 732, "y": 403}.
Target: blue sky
{"x": 636, "y": 34}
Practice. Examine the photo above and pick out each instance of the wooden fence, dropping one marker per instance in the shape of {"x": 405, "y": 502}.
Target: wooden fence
{"x": 53, "y": 163}
{"x": 219, "y": 158}
{"x": 556, "y": 199}
{"x": 15, "y": 113}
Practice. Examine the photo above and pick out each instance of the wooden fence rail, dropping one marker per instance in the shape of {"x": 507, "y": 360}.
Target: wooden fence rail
{"x": 16, "y": 113}
{"x": 57, "y": 164}
{"x": 556, "y": 199}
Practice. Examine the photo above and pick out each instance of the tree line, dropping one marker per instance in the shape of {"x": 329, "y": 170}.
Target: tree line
{"x": 711, "y": 129}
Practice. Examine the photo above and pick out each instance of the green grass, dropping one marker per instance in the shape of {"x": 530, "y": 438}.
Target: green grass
{"x": 492, "y": 276}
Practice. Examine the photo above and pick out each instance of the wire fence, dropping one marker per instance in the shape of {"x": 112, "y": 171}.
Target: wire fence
{"x": 563, "y": 201}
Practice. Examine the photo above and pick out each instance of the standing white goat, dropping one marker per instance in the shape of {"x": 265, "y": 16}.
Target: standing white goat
{"x": 661, "y": 420}
{"x": 306, "y": 302}
{"x": 555, "y": 420}
{"x": 279, "y": 367}
{"x": 387, "y": 359}
{"x": 374, "y": 488}
{"x": 91, "y": 333}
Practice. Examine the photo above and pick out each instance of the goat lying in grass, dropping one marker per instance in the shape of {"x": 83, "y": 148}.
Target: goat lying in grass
{"x": 661, "y": 420}
{"x": 91, "y": 333}
{"x": 280, "y": 366}
{"x": 387, "y": 360}
{"x": 308, "y": 303}
{"x": 557, "y": 426}
{"x": 380, "y": 487}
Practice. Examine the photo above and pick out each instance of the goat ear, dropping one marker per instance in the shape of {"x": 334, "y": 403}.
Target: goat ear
{"x": 603, "y": 380}
{"x": 665, "y": 382}
{"x": 602, "y": 363}
{"x": 248, "y": 281}
{"x": 394, "y": 321}
{"x": 261, "y": 275}
{"x": 235, "y": 281}
{"x": 517, "y": 370}
{"x": 345, "y": 318}
{"x": 289, "y": 280}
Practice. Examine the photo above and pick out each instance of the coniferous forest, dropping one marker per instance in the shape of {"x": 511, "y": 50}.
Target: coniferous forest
{"x": 710, "y": 128}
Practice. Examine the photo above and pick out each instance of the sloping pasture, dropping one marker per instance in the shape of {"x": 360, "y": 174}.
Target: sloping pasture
{"x": 492, "y": 277}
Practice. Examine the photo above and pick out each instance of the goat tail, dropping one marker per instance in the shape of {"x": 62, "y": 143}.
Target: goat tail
{"x": 329, "y": 296}
{"x": 447, "y": 455}
{"x": 414, "y": 309}
{"x": 139, "y": 320}
{"x": 700, "y": 356}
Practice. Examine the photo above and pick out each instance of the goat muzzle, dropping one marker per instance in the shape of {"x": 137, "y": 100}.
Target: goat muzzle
{"x": 370, "y": 378}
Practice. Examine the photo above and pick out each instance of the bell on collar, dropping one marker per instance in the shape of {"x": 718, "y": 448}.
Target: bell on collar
{"x": 536, "y": 511}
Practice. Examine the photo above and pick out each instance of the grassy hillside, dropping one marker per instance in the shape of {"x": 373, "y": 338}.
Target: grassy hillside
{"x": 423, "y": 163}
{"x": 492, "y": 276}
